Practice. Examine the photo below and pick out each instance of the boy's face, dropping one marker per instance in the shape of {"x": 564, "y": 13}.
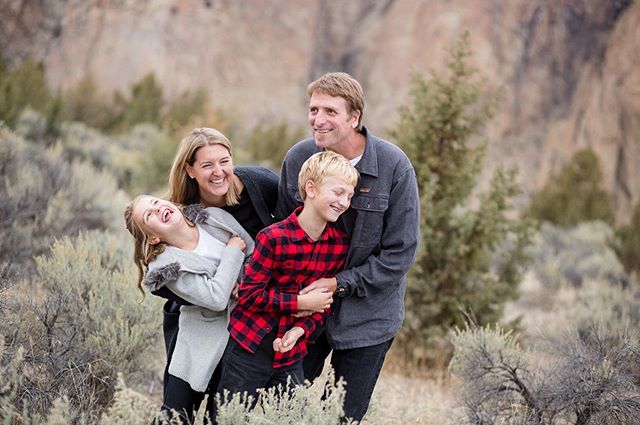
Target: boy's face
{"x": 329, "y": 198}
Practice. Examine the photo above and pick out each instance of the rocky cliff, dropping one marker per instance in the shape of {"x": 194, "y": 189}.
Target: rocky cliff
{"x": 570, "y": 70}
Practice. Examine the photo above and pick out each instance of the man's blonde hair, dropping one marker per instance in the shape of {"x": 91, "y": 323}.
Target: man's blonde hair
{"x": 325, "y": 164}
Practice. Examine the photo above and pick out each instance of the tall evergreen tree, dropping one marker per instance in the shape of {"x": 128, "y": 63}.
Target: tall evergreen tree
{"x": 471, "y": 248}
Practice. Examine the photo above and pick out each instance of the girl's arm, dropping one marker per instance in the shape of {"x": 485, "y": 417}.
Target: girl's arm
{"x": 211, "y": 292}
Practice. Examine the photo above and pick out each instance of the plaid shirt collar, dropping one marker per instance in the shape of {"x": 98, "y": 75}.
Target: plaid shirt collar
{"x": 298, "y": 233}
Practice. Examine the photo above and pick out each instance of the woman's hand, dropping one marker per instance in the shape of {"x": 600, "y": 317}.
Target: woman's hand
{"x": 237, "y": 242}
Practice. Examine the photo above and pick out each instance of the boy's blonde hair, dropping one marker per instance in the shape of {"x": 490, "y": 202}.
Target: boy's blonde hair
{"x": 324, "y": 164}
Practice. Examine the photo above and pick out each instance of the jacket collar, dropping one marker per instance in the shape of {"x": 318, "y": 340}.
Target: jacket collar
{"x": 368, "y": 164}
{"x": 195, "y": 213}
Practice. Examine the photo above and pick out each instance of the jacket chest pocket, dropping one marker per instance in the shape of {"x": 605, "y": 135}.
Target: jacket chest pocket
{"x": 369, "y": 220}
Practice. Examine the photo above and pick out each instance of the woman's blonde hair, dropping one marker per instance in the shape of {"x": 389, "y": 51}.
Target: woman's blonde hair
{"x": 185, "y": 190}
{"x": 143, "y": 252}
{"x": 323, "y": 164}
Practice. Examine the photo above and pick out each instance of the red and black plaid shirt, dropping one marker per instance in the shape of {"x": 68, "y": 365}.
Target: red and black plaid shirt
{"x": 285, "y": 260}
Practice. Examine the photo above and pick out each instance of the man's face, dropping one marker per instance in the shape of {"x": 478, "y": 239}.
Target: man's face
{"x": 331, "y": 121}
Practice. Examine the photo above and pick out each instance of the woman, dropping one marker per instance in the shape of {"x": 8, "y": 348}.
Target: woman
{"x": 197, "y": 256}
{"x": 203, "y": 173}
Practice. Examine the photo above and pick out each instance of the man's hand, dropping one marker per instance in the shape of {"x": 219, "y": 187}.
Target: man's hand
{"x": 317, "y": 300}
{"x": 288, "y": 340}
{"x": 326, "y": 284}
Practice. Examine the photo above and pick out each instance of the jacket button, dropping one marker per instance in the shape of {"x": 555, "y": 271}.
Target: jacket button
{"x": 368, "y": 205}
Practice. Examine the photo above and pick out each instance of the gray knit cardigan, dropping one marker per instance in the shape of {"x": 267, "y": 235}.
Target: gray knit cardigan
{"x": 202, "y": 334}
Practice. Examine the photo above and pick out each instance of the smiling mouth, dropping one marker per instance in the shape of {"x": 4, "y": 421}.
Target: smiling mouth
{"x": 166, "y": 215}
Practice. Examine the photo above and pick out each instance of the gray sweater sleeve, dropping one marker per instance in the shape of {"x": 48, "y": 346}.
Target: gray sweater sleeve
{"x": 210, "y": 292}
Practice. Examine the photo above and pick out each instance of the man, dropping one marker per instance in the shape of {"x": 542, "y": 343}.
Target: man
{"x": 383, "y": 223}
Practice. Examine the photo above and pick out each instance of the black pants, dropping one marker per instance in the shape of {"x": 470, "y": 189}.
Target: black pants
{"x": 359, "y": 367}
{"x": 170, "y": 318}
{"x": 245, "y": 371}
{"x": 179, "y": 396}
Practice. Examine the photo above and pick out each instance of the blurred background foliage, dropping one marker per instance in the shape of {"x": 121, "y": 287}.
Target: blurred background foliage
{"x": 70, "y": 322}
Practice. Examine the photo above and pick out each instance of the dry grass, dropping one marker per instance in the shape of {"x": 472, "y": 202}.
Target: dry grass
{"x": 400, "y": 399}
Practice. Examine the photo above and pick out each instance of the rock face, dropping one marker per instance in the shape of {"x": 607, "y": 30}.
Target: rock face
{"x": 569, "y": 70}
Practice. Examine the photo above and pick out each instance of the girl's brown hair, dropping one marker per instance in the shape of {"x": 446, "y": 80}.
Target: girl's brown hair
{"x": 143, "y": 252}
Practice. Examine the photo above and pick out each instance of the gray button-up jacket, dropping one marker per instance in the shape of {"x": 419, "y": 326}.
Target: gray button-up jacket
{"x": 383, "y": 222}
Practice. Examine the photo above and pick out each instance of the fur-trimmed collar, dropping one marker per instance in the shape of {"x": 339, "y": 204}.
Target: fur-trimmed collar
{"x": 157, "y": 278}
{"x": 196, "y": 213}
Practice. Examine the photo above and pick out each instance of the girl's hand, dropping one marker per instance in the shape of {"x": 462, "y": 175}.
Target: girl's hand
{"x": 237, "y": 242}
{"x": 288, "y": 340}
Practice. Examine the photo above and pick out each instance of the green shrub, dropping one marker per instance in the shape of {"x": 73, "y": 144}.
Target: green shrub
{"x": 84, "y": 103}
{"x": 576, "y": 377}
{"x": 47, "y": 195}
{"x": 182, "y": 110}
{"x": 576, "y": 254}
{"x": 267, "y": 144}
{"x": 144, "y": 105}
{"x": 21, "y": 87}
{"x": 150, "y": 166}
{"x": 79, "y": 325}
{"x": 628, "y": 246}
{"x": 469, "y": 257}
{"x": 575, "y": 194}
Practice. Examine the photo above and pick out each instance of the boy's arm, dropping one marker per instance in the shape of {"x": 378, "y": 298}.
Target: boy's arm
{"x": 255, "y": 292}
{"x": 288, "y": 340}
{"x": 311, "y": 322}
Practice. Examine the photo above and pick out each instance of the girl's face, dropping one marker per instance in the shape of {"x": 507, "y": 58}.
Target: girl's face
{"x": 156, "y": 217}
{"x": 213, "y": 170}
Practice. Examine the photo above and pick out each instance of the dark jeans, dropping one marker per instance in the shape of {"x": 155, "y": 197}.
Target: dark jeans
{"x": 359, "y": 367}
{"x": 170, "y": 317}
{"x": 245, "y": 371}
{"x": 179, "y": 396}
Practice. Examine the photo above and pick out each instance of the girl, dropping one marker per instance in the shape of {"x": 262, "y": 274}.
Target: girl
{"x": 198, "y": 256}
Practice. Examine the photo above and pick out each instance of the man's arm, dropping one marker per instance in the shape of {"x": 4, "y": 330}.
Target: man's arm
{"x": 398, "y": 244}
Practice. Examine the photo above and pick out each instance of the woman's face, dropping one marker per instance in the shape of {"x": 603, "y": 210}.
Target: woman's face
{"x": 213, "y": 170}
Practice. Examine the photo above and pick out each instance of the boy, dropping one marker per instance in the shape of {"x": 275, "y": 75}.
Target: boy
{"x": 270, "y": 326}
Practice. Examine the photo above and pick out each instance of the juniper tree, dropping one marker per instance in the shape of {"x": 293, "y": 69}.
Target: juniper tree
{"x": 469, "y": 255}
{"x": 573, "y": 195}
